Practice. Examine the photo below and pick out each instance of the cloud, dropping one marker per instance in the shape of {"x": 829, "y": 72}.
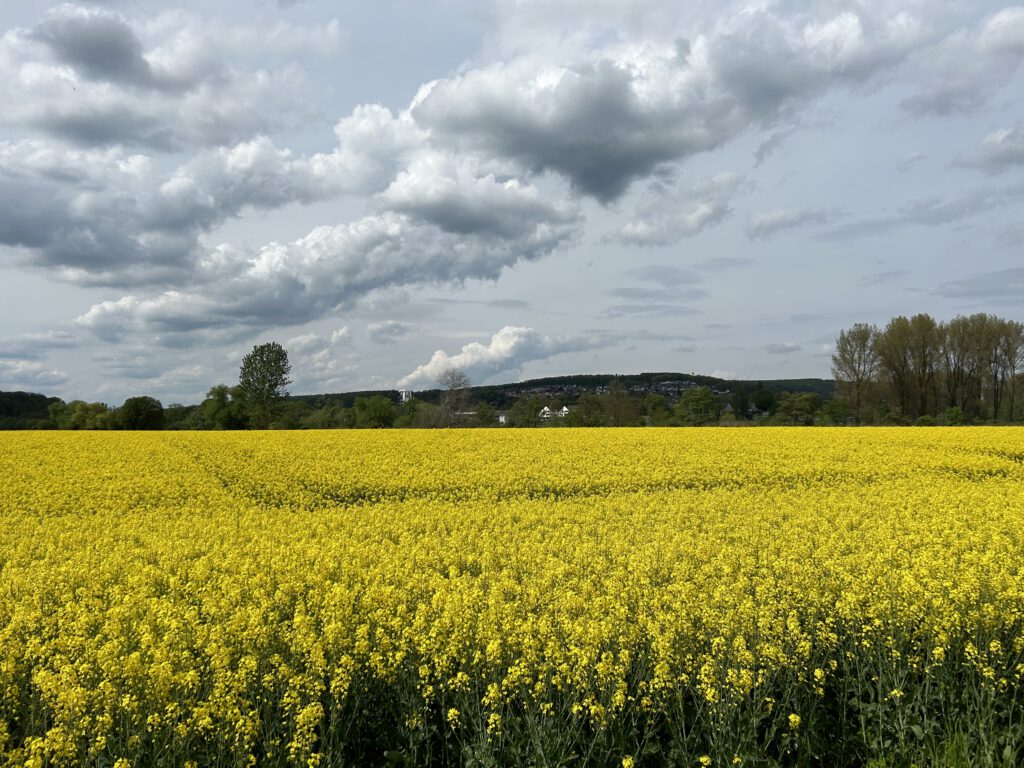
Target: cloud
{"x": 388, "y": 331}
{"x": 670, "y": 286}
{"x": 782, "y": 348}
{"x": 507, "y": 351}
{"x": 911, "y": 160}
{"x": 1001, "y": 150}
{"x": 770, "y": 145}
{"x": 106, "y": 217}
{"x": 962, "y": 72}
{"x": 460, "y": 197}
{"x": 136, "y": 364}
{"x": 761, "y": 226}
{"x": 306, "y": 343}
{"x": 32, "y": 346}
{"x": 328, "y": 269}
{"x": 321, "y": 360}
{"x": 929, "y": 212}
{"x": 723, "y": 263}
{"x": 97, "y": 44}
{"x": 1003, "y": 286}
{"x": 623, "y": 112}
{"x": 499, "y": 303}
{"x": 283, "y": 38}
{"x": 882, "y": 278}
{"x": 644, "y": 309}
{"x": 670, "y": 215}
{"x": 664, "y": 274}
{"x": 96, "y": 78}
{"x": 29, "y": 374}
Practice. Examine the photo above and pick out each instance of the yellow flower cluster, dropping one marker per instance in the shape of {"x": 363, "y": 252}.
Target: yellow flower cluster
{"x": 244, "y": 598}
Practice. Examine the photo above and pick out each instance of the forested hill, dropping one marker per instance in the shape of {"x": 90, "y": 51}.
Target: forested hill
{"x": 24, "y": 410}
{"x": 669, "y": 384}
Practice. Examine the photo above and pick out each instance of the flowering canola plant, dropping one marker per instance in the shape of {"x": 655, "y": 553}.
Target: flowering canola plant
{"x": 615, "y": 597}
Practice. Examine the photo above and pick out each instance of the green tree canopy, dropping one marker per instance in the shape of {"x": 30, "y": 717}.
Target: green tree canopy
{"x": 142, "y": 412}
{"x": 263, "y": 381}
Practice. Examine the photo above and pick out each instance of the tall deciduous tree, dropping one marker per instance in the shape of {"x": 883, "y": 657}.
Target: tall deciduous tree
{"x": 263, "y": 381}
{"x": 1011, "y": 359}
{"x": 895, "y": 360}
{"x": 924, "y": 337}
{"x": 855, "y": 366}
{"x": 454, "y": 384}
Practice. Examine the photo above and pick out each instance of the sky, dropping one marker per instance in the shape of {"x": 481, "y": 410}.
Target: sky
{"x": 520, "y": 188}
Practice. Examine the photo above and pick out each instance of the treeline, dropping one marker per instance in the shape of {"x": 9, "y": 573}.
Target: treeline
{"x": 917, "y": 370}
{"x": 226, "y": 408}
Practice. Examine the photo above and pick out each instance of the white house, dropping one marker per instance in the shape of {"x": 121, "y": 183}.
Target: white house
{"x": 546, "y": 413}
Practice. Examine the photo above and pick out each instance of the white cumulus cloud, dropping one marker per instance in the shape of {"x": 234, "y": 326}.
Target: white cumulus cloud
{"x": 507, "y": 350}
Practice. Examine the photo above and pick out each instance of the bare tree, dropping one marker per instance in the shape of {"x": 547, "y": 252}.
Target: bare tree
{"x": 455, "y": 385}
{"x": 855, "y": 365}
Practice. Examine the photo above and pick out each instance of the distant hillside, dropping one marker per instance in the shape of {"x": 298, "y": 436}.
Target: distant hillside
{"x": 25, "y": 410}
{"x": 668, "y": 384}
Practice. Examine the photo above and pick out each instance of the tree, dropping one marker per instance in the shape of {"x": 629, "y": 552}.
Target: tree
{"x": 620, "y": 410}
{"x": 486, "y": 415}
{"x": 222, "y": 409}
{"x": 656, "y": 410}
{"x": 924, "y": 337}
{"x": 798, "y": 408}
{"x": 855, "y": 365}
{"x": 895, "y": 361}
{"x": 697, "y": 406}
{"x": 1011, "y": 358}
{"x": 263, "y": 381}
{"x": 763, "y": 399}
{"x": 141, "y": 413}
{"x": 454, "y": 384}
{"x": 376, "y": 412}
{"x": 589, "y": 412}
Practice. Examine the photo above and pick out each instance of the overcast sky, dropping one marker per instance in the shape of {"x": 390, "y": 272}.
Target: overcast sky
{"x": 518, "y": 187}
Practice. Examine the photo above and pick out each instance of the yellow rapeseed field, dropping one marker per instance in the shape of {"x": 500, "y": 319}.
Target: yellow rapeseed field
{"x": 512, "y": 597}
